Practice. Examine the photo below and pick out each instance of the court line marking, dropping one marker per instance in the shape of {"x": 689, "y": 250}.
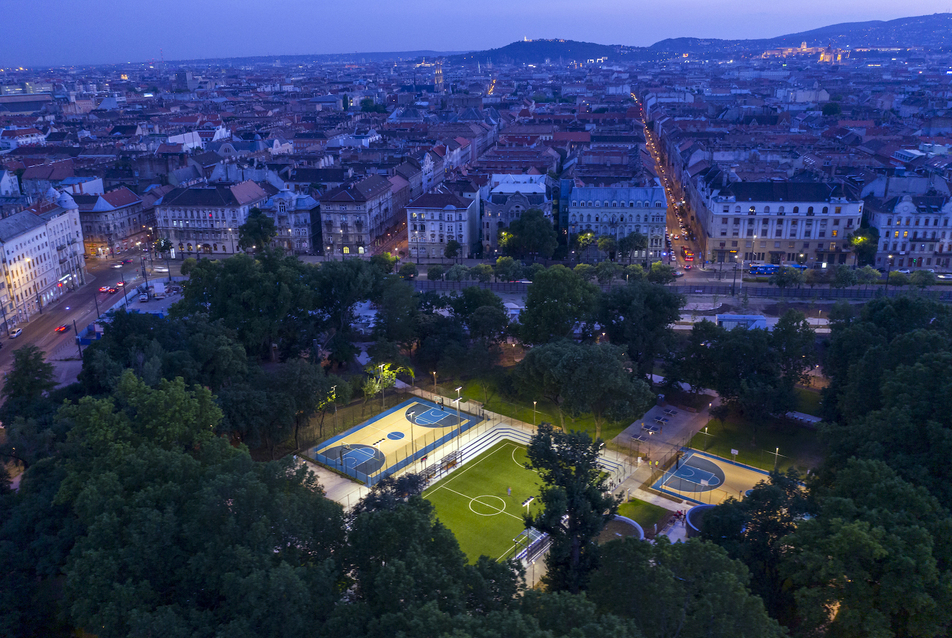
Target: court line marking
{"x": 471, "y": 498}
{"x": 487, "y": 496}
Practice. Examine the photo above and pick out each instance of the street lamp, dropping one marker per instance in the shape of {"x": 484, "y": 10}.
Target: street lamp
{"x": 382, "y": 390}
{"x": 534, "y": 412}
{"x": 888, "y": 268}
{"x": 434, "y": 382}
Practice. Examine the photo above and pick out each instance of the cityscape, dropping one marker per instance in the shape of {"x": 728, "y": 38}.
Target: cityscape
{"x": 547, "y": 338}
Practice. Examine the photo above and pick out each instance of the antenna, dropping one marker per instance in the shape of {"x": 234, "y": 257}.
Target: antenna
{"x": 162, "y": 55}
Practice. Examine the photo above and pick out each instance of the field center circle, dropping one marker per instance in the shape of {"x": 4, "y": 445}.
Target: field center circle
{"x": 488, "y": 507}
{"x": 395, "y": 436}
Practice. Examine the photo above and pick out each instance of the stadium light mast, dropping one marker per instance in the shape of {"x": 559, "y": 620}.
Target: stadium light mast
{"x": 459, "y": 424}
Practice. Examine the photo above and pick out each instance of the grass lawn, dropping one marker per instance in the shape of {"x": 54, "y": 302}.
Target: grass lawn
{"x": 474, "y": 504}
{"x": 473, "y": 389}
{"x": 799, "y": 447}
{"x": 642, "y": 512}
{"x": 808, "y": 401}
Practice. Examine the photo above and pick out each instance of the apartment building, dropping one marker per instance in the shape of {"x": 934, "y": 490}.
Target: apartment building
{"x": 509, "y": 197}
{"x": 42, "y": 257}
{"x": 205, "y": 219}
{"x": 354, "y": 216}
{"x": 435, "y": 219}
{"x": 619, "y": 212}
{"x": 914, "y": 231}
{"x": 778, "y": 222}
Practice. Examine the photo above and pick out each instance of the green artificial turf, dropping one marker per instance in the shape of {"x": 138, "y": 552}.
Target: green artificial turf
{"x": 487, "y": 524}
{"x": 642, "y": 512}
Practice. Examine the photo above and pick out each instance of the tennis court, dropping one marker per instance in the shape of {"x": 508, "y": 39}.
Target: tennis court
{"x": 704, "y": 478}
{"x": 393, "y": 439}
{"x": 482, "y": 502}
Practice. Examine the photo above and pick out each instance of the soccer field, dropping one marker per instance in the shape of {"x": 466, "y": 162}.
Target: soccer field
{"x": 474, "y": 503}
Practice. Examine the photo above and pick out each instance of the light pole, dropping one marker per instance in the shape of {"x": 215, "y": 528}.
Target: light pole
{"x": 888, "y": 268}
{"x": 434, "y": 383}
{"x": 380, "y": 376}
{"x": 459, "y": 425}
{"x": 534, "y": 412}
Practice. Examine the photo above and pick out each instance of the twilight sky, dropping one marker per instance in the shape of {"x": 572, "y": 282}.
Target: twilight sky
{"x": 55, "y": 32}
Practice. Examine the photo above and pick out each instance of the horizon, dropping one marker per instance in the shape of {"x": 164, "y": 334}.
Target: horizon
{"x": 99, "y": 32}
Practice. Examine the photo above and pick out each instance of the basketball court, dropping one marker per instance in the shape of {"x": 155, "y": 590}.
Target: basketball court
{"x": 704, "y": 478}
{"x": 393, "y": 439}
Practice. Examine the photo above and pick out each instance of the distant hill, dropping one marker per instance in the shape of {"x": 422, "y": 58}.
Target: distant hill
{"x": 931, "y": 31}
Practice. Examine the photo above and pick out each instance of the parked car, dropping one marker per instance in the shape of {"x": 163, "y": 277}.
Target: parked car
{"x": 16, "y": 332}
{"x": 143, "y": 298}
{"x": 60, "y": 328}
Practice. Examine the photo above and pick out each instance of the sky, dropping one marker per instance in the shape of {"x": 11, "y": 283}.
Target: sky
{"x": 40, "y": 33}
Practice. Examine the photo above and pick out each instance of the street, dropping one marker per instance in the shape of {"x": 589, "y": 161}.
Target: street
{"x": 79, "y": 306}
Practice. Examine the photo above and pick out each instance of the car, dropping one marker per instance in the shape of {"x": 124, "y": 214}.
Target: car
{"x": 944, "y": 275}
{"x": 60, "y": 328}
{"x": 905, "y": 271}
{"x": 687, "y": 266}
{"x": 127, "y": 261}
{"x": 113, "y": 291}
{"x": 16, "y": 332}
{"x": 104, "y": 289}
{"x": 120, "y": 284}
{"x": 117, "y": 265}
{"x": 160, "y": 269}
{"x": 678, "y": 273}
{"x": 143, "y": 298}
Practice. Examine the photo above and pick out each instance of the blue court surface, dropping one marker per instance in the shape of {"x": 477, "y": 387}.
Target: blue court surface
{"x": 393, "y": 439}
{"x": 704, "y": 478}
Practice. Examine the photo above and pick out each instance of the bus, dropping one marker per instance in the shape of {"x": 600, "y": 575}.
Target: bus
{"x": 687, "y": 254}
{"x": 772, "y": 269}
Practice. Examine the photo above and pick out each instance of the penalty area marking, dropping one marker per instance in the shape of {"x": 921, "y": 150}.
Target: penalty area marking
{"x": 485, "y": 504}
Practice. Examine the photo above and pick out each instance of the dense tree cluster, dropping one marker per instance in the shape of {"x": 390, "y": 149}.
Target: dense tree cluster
{"x": 864, "y": 547}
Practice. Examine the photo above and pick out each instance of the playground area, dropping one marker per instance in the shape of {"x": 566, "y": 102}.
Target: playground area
{"x": 699, "y": 477}
{"x": 393, "y": 439}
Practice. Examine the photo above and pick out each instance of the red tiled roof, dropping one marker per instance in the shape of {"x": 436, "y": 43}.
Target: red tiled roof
{"x": 121, "y": 197}
{"x": 247, "y": 192}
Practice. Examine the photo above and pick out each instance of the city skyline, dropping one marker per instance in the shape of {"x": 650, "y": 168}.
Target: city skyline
{"x": 101, "y": 35}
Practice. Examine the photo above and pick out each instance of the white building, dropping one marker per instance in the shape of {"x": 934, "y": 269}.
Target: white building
{"x": 435, "y": 219}
{"x": 913, "y": 230}
{"x": 206, "y": 219}
{"x": 296, "y": 218}
{"x": 619, "y": 212}
{"x": 778, "y": 222}
{"x": 42, "y": 257}
{"x": 355, "y": 216}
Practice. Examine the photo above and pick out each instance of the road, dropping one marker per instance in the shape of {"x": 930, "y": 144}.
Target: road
{"x": 80, "y": 306}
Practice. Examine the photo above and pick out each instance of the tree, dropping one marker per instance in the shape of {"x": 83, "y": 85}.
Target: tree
{"x": 507, "y": 269}
{"x": 639, "y": 317}
{"x": 864, "y": 243}
{"x": 435, "y": 273}
{"x": 873, "y": 561}
{"x": 843, "y": 277}
{"x": 597, "y": 381}
{"x": 30, "y": 379}
{"x": 607, "y": 245}
{"x": 472, "y": 298}
{"x": 632, "y": 243}
{"x": 867, "y": 275}
{"x": 816, "y": 276}
{"x": 785, "y": 277}
{"x": 557, "y": 301}
{"x": 483, "y": 273}
{"x": 898, "y": 279}
{"x": 661, "y": 274}
{"x": 794, "y": 342}
{"x": 922, "y": 279}
{"x": 755, "y": 530}
{"x": 489, "y": 324}
{"x": 408, "y": 270}
{"x": 531, "y": 234}
{"x": 163, "y": 245}
{"x": 452, "y": 250}
{"x": 585, "y": 271}
{"x": 575, "y": 503}
{"x": 305, "y": 385}
{"x": 691, "y": 590}
{"x": 384, "y": 262}
{"x": 832, "y": 108}
{"x": 257, "y": 232}
{"x": 458, "y": 273}
{"x": 605, "y": 272}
